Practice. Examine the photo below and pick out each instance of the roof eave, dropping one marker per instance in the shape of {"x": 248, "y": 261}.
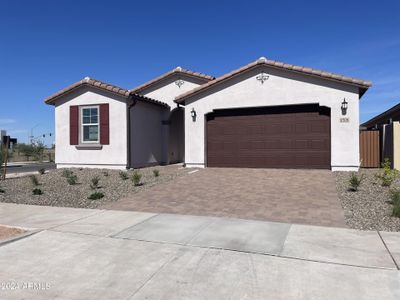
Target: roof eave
{"x": 51, "y": 100}
{"x": 375, "y": 120}
{"x": 148, "y": 84}
{"x": 281, "y": 66}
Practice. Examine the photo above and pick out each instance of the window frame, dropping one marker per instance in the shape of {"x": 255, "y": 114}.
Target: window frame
{"x": 82, "y": 125}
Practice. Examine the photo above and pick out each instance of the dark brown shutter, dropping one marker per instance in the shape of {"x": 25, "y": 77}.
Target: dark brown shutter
{"x": 74, "y": 125}
{"x": 104, "y": 124}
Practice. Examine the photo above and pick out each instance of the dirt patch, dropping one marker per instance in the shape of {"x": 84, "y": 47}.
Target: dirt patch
{"x": 369, "y": 207}
{"x": 58, "y": 192}
{"x": 9, "y": 232}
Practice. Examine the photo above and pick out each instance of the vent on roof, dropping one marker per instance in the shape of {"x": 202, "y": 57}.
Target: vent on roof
{"x": 262, "y": 59}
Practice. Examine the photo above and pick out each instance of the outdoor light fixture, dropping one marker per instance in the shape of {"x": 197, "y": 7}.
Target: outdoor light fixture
{"x": 193, "y": 114}
{"x": 344, "y": 107}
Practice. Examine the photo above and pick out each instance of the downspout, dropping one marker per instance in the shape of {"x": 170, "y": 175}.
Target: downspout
{"x": 130, "y": 102}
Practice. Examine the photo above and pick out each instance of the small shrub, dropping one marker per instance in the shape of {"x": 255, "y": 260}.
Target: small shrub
{"x": 156, "y": 173}
{"x": 355, "y": 182}
{"x": 106, "y": 174}
{"x": 42, "y": 171}
{"x": 95, "y": 182}
{"x": 67, "y": 173}
{"x": 72, "y": 179}
{"x": 2, "y": 191}
{"x": 123, "y": 175}
{"x": 396, "y": 210}
{"x": 96, "y": 196}
{"x": 387, "y": 175}
{"x": 136, "y": 178}
{"x": 37, "y": 191}
{"x": 395, "y": 200}
{"x": 34, "y": 180}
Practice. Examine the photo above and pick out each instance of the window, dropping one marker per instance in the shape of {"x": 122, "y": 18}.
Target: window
{"x": 90, "y": 124}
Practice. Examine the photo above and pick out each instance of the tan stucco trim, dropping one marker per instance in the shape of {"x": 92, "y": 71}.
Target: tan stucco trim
{"x": 396, "y": 145}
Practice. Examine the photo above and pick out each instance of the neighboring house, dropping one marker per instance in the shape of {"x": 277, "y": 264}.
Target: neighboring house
{"x": 266, "y": 114}
{"x": 388, "y": 138}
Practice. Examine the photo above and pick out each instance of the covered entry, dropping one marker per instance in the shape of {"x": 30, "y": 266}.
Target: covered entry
{"x": 295, "y": 136}
{"x": 176, "y": 136}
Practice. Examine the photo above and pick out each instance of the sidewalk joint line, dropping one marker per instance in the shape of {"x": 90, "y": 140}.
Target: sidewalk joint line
{"x": 79, "y": 219}
{"x": 387, "y": 249}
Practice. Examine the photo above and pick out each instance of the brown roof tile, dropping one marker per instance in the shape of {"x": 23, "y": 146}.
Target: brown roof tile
{"x": 362, "y": 84}
{"x": 89, "y": 82}
{"x": 103, "y": 86}
{"x": 150, "y": 100}
{"x": 177, "y": 70}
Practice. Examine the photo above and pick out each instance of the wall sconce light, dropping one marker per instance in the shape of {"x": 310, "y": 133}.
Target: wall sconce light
{"x": 344, "y": 107}
{"x": 193, "y": 114}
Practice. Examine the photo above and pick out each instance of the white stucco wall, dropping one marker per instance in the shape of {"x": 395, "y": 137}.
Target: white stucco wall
{"x": 166, "y": 90}
{"x": 147, "y": 142}
{"x": 113, "y": 155}
{"x": 282, "y": 88}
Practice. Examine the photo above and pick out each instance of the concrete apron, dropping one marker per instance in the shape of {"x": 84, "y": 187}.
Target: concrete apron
{"x": 79, "y": 253}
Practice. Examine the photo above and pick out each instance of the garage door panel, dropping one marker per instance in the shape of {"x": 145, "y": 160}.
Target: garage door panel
{"x": 283, "y": 137}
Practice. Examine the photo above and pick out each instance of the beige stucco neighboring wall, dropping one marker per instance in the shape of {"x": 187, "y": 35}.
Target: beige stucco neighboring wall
{"x": 396, "y": 145}
{"x": 113, "y": 155}
{"x": 282, "y": 88}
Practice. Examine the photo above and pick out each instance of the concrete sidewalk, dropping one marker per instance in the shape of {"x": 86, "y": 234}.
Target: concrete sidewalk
{"x": 80, "y": 254}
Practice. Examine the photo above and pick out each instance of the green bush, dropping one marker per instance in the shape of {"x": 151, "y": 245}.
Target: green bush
{"x": 42, "y": 171}
{"x": 67, "y": 173}
{"x": 106, "y": 174}
{"x": 123, "y": 175}
{"x": 95, "y": 182}
{"x": 2, "y": 191}
{"x": 395, "y": 200}
{"x": 34, "y": 180}
{"x": 156, "y": 173}
{"x": 136, "y": 178}
{"x": 37, "y": 191}
{"x": 355, "y": 182}
{"x": 387, "y": 175}
{"x": 96, "y": 196}
{"x": 72, "y": 179}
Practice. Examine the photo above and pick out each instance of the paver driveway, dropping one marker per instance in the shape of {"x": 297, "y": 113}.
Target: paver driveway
{"x": 292, "y": 196}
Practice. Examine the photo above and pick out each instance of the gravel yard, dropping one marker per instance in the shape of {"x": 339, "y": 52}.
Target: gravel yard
{"x": 368, "y": 208}
{"x": 58, "y": 192}
{"x": 9, "y": 232}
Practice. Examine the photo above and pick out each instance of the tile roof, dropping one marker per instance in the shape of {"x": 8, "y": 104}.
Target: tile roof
{"x": 262, "y": 61}
{"x": 89, "y": 82}
{"x": 150, "y": 100}
{"x": 177, "y": 70}
{"x": 103, "y": 86}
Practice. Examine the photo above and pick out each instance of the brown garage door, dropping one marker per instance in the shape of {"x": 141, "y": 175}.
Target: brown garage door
{"x": 271, "y": 137}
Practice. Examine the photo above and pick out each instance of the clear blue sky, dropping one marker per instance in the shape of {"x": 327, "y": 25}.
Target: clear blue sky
{"x": 47, "y": 45}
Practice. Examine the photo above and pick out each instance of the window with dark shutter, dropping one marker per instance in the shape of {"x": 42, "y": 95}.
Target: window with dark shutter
{"x": 104, "y": 124}
{"x": 73, "y": 125}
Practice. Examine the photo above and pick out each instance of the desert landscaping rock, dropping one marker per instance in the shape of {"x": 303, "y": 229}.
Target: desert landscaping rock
{"x": 57, "y": 191}
{"x": 369, "y": 207}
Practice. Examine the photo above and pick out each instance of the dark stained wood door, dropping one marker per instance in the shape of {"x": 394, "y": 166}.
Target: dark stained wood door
{"x": 271, "y": 137}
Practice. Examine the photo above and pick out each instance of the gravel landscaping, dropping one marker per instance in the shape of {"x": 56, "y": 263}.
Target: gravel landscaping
{"x": 368, "y": 208}
{"x": 9, "y": 232}
{"x": 58, "y": 192}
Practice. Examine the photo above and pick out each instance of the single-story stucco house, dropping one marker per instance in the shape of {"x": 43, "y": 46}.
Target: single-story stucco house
{"x": 266, "y": 114}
